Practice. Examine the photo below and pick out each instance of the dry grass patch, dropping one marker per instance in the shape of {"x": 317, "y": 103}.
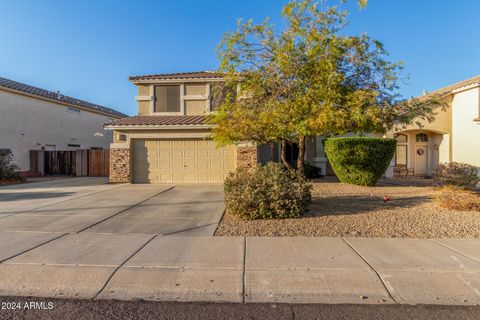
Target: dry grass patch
{"x": 456, "y": 198}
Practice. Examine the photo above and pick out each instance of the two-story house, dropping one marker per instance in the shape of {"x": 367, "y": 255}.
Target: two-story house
{"x": 32, "y": 118}
{"x": 168, "y": 140}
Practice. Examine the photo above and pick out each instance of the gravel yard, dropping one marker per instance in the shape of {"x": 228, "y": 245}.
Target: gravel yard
{"x": 339, "y": 210}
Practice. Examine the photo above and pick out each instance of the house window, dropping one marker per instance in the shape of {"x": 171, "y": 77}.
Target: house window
{"x": 122, "y": 137}
{"x": 167, "y": 99}
{"x": 421, "y": 137}
{"x": 72, "y": 109}
{"x": 401, "y": 155}
{"x": 72, "y": 145}
{"x": 220, "y": 93}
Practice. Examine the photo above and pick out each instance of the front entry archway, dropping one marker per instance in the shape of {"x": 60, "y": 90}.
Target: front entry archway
{"x": 419, "y": 151}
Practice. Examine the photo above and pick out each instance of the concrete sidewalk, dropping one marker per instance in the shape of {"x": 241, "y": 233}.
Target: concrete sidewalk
{"x": 236, "y": 269}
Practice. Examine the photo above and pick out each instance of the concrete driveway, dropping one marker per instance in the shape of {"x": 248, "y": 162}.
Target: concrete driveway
{"x": 91, "y": 205}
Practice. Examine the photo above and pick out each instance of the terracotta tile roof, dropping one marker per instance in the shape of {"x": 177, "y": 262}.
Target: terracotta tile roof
{"x": 57, "y": 97}
{"x": 448, "y": 89}
{"x": 159, "y": 121}
{"x": 179, "y": 76}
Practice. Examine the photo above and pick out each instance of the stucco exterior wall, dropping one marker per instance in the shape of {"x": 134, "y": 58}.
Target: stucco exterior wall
{"x": 28, "y": 123}
{"x": 466, "y": 131}
{"x": 144, "y": 106}
{"x": 195, "y": 89}
{"x": 195, "y": 107}
{"x": 442, "y": 122}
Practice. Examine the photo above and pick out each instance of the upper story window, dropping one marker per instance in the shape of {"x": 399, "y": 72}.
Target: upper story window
{"x": 401, "y": 137}
{"x": 421, "y": 137}
{"x": 167, "y": 98}
{"x": 219, "y": 93}
{"x": 72, "y": 109}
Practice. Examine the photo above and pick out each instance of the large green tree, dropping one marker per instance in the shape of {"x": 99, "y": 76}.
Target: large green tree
{"x": 308, "y": 79}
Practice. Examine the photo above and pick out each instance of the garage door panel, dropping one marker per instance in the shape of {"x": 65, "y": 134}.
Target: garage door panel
{"x": 228, "y": 154}
{"x": 177, "y": 154}
{"x": 162, "y": 154}
{"x": 188, "y": 160}
{"x": 190, "y": 154}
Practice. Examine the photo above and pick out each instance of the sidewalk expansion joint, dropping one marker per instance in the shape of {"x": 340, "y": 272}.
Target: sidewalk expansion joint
{"x": 123, "y": 210}
{"x": 121, "y": 265}
{"x": 373, "y": 269}
{"x": 189, "y": 229}
{"x": 244, "y": 275}
{"x": 35, "y": 247}
{"x": 455, "y": 250}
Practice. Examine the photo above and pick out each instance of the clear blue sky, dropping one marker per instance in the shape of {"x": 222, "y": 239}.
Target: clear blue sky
{"x": 87, "y": 49}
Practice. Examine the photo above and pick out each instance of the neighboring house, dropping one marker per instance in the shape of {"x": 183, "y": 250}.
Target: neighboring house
{"x": 36, "y": 119}
{"x": 454, "y": 135}
{"x": 168, "y": 140}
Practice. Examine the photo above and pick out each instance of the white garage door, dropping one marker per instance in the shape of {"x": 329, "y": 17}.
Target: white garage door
{"x": 181, "y": 160}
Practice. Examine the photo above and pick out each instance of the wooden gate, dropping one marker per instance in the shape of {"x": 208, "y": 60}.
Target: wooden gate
{"x": 59, "y": 163}
{"x": 79, "y": 163}
{"x": 98, "y": 163}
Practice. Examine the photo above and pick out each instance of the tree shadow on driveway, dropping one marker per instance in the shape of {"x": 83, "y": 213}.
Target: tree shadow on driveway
{"x": 17, "y": 196}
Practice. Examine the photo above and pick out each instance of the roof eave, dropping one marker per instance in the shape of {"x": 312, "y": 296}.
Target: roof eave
{"x": 179, "y": 80}
{"x": 157, "y": 127}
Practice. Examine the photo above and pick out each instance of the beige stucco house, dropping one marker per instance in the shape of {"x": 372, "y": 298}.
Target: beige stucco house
{"x": 32, "y": 118}
{"x": 169, "y": 140}
{"x": 454, "y": 135}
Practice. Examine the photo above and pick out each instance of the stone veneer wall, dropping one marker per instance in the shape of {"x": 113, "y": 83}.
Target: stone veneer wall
{"x": 247, "y": 156}
{"x": 120, "y": 165}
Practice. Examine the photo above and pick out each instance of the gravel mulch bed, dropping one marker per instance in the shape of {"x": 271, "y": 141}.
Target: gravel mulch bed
{"x": 341, "y": 210}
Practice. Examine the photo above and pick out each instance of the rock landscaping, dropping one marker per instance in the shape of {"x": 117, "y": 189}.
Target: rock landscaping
{"x": 391, "y": 209}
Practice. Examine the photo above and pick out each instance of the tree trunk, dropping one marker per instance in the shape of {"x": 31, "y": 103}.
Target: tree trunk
{"x": 284, "y": 156}
{"x": 301, "y": 153}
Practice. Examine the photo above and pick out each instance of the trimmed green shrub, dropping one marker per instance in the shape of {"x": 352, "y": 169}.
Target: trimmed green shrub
{"x": 456, "y": 174}
{"x": 266, "y": 192}
{"x": 8, "y": 170}
{"x": 360, "y": 160}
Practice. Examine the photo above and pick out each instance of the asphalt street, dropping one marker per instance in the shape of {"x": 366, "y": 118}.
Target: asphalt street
{"x": 51, "y": 309}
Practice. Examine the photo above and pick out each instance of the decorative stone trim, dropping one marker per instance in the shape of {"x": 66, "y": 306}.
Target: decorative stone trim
{"x": 246, "y": 156}
{"x": 120, "y": 165}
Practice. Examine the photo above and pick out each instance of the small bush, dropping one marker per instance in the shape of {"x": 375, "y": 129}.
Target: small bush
{"x": 311, "y": 172}
{"x": 8, "y": 170}
{"x": 457, "y": 198}
{"x": 359, "y": 160}
{"x": 266, "y": 192}
{"x": 456, "y": 174}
